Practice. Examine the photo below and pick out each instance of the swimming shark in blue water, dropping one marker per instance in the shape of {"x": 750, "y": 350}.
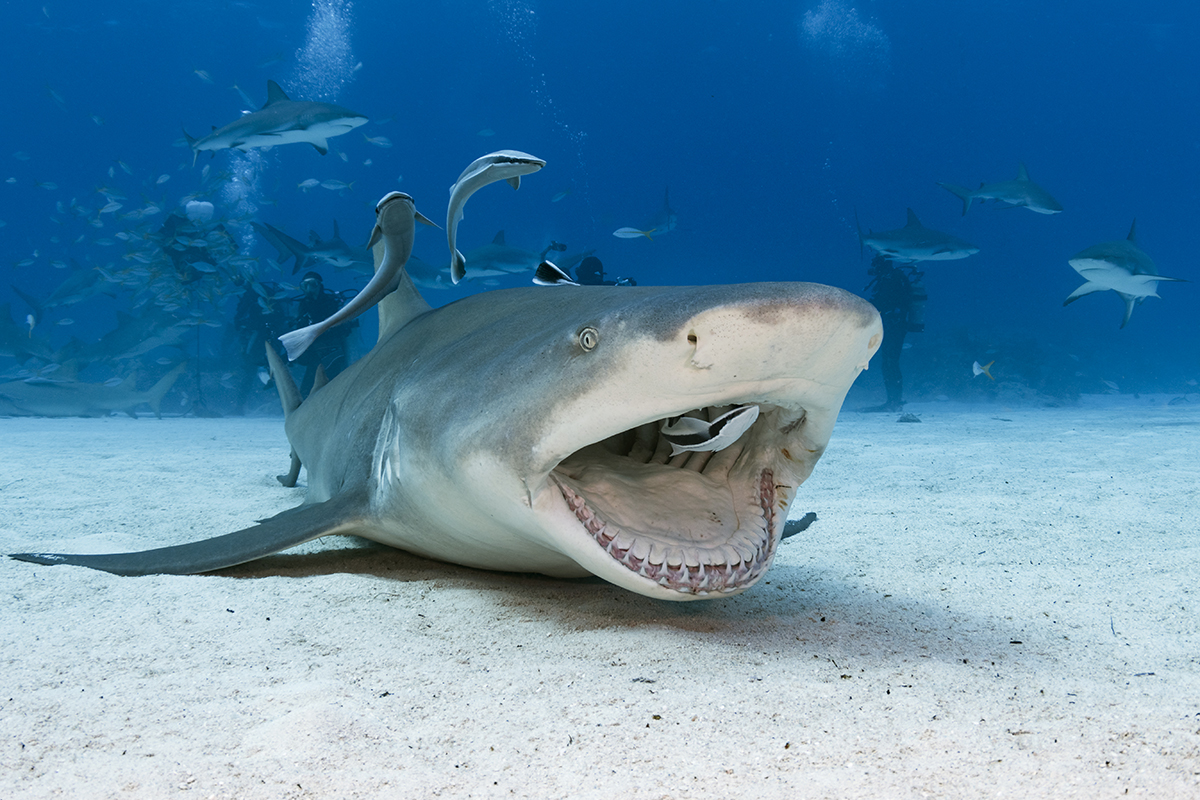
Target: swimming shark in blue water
{"x": 1121, "y": 266}
{"x": 915, "y": 242}
{"x": 1019, "y": 192}
{"x": 281, "y": 121}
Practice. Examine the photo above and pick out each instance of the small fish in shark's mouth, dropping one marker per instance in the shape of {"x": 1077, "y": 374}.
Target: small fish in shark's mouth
{"x": 696, "y": 522}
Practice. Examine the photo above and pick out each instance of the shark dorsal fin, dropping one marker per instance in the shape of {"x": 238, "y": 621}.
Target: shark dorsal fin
{"x": 398, "y": 307}
{"x": 1022, "y": 173}
{"x": 498, "y": 238}
{"x": 1133, "y": 231}
{"x": 913, "y": 222}
{"x": 274, "y": 94}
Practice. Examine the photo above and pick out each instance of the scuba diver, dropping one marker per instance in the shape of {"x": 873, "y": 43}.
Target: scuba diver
{"x": 900, "y": 299}
{"x": 258, "y": 318}
{"x": 590, "y": 272}
{"x": 330, "y": 349}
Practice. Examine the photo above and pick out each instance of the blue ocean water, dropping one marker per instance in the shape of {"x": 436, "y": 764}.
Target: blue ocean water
{"x": 772, "y": 124}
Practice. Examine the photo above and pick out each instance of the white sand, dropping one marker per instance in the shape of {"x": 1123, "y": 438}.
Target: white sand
{"x": 993, "y": 603}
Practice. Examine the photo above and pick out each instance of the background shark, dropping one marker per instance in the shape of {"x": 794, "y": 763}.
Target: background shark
{"x": 1121, "y": 266}
{"x": 915, "y": 242}
{"x": 48, "y": 397}
{"x": 318, "y": 253}
{"x": 1018, "y": 192}
{"x": 282, "y": 120}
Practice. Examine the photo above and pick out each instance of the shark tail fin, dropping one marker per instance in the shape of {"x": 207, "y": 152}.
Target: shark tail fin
{"x": 289, "y": 398}
{"x": 961, "y": 192}
{"x": 341, "y": 514}
{"x": 1130, "y": 302}
{"x": 155, "y": 393}
{"x": 297, "y": 341}
{"x": 458, "y": 267}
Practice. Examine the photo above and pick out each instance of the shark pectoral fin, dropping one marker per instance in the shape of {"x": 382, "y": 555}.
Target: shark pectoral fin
{"x": 424, "y": 220}
{"x": 341, "y": 514}
{"x": 515, "y": 181}
{"x": 1087, "y": 288}
{"x": 322, "y": 146}
{"x": 376, "y": 235}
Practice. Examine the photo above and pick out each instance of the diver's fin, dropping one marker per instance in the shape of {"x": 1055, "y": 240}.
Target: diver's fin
{"x": 341, "y": 514}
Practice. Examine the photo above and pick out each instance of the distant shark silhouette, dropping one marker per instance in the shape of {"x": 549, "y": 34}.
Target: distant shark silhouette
{"x": 1120, "y": 266}
{"x": 915, "y": 242}
{"x": 45, "y": 397}
{"x": 281, "y": 121}
{"x": 1018, "y": 192}
{"x": 333, "y": 252}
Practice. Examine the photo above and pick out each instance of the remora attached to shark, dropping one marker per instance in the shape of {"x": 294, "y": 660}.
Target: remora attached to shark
{"x": 282, "y": 121}
{"x": 522, "y": 430}
{"x": 915, "y": 242}
{"x": 1121, "y": 266}
{"x": 1020, "y": 191}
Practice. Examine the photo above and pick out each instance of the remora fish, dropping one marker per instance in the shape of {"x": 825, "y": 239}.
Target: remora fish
{"x": 281, "y": 121}
{"x": 503, "y": 165}
{"x": 521, "y": 430}
{"x": 1018, "y": 192}
{"x": 915, "y": 242}
{"x": 1121, "y": 266}
{"x": 396, "y": 219}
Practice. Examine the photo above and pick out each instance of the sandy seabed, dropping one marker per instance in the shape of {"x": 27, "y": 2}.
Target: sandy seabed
{"x": 995, "y": 602}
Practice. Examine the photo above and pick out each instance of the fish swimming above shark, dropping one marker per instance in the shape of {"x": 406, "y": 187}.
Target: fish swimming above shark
{"x": 1019, "y": 192}
{"x": 502, "y": 165}
{"x": 1121, "y": 266}
{"x": 333, "y": 252}
{"x": 52, "y": 397}
{"x": 528, "y": 430}
{"x": 914, "y": 242}
{"x": 281, "y": 121}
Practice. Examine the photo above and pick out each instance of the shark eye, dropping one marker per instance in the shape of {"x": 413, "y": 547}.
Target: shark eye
{"x": 589, "y": 337}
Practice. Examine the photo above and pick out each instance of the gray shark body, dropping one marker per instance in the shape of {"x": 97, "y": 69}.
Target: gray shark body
{"x": 333, "y": 252}
{"x": 1019, "y": 192}
{"x": 282, "y": 121}
{"x": 520, "y": 430}
{"x": 42, "y": 397}
{"x": 914, "y": 242}
{"x": 1120, "y": 266}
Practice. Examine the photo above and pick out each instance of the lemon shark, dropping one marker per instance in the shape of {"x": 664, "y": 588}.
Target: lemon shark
{"x": 281, "y": 121}
{"x": 915, "y": 242}
{"x": 1121, "y": 266}
{"x": 1019, "y": 192}
{"x": 531, "y": 430}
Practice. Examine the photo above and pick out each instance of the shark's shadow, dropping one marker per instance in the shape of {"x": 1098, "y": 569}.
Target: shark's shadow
{"x": 799, "y": 610}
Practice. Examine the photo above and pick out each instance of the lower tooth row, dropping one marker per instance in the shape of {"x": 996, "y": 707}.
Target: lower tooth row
{"x": 741, "y": 559}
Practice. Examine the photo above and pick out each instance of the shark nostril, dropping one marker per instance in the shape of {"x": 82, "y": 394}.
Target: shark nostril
{"x": 692, "y": 340}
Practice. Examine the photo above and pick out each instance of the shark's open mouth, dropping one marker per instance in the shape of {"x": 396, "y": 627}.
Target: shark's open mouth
{"x": 699, "y": 522}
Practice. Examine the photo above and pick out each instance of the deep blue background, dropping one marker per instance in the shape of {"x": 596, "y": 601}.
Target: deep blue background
{"x": 769, "y": 132}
